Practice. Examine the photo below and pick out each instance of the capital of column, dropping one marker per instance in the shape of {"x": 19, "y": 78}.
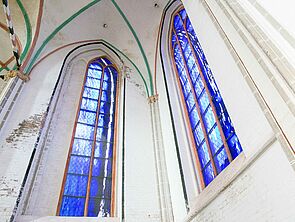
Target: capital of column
{"x": 153, "y": 99}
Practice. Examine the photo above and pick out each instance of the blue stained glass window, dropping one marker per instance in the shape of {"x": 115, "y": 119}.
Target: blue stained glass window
{"x": 215, "y": 139}
{"x": 103, "y": 150}
{"x": 221, "y": 160}
{"x": 89, "y": 104}
{"x": 87, "y": 117}
{"x": 194, "y": 117}
{"x": 92, "y": 146}
{"x": 203, "y": 155}
{"x": 95, "y": 73}
{"x": 92, "y": 82}
{"x": 91, "y": 93}
{"x": 82, "y": 147}
{"x": 72, "y": 206}
{"x": 76, "y": 185}
{"x": 79, "y": 165}
{"x": 208, "y": 174}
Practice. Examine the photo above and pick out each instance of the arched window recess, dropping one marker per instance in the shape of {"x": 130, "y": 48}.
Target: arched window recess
{"x": 214, "y": 141}
{"x": 89, "y": 179}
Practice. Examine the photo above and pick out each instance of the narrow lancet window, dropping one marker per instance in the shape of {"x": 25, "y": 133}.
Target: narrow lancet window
{"x": 88, "y": 182}
{"x": 215, "y": 142}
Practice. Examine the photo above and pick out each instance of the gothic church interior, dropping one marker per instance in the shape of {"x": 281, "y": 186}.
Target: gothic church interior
{"x": 147, "y": 111}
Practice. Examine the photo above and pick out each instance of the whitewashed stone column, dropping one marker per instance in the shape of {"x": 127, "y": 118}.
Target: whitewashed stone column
{"x": 166, "y": 211}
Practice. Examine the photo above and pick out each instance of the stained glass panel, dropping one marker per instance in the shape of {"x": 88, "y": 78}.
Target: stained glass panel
{"x": 72, "y": 206}
{"x": 76, "y": 185}
{"x": 89, "y": 104}
{"x": 214, "y": 123}
{"x": 95, "y": 121}
{"x": 82, "y": 147}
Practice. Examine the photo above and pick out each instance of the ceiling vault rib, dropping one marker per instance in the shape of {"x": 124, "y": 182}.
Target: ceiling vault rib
{"x": 28, "y": 30}
{"x": 94, "y": 41}
{"x": 60, "y": 27}
{"x": 138, "y": 43}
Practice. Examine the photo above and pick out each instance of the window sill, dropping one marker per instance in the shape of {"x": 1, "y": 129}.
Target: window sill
{"x": 66, "y": 219}
{"x": 224, "y": 180}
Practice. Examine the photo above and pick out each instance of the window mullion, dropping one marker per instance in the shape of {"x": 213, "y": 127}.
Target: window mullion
{"x": 209, "y": 95}
{"x": 206, "y": 136}
{"x": 93, "y": 145}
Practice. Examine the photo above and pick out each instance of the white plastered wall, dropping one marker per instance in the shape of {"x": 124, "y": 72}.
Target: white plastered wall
{"x": 141, "y": 197}
{"x": 258, "y": 184}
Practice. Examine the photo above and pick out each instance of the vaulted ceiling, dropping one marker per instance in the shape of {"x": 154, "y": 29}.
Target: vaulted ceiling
{"x": 130, "y": 26}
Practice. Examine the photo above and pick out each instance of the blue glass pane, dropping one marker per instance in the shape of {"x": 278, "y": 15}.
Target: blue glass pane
{"x": 99, "y": 208}
{"x": 182, "y": 40}
{"x": 209, "y": 119}
{"x": 234, "y": 146}
{"x": 203, "y": 101}
{"x": 93, "y": 207}
{"x": 221, "y": 160}
{"x": 208, "y": 174}
{"x": 182, "y": 14}
{"x": 191, "y": 62}
{"x": 177, "y": 22}
{"x": 194, "y": 117}
{"x": 107, "y": 76}
{"x": 187, "y": 52}
{"x": 215, "y": 140}
{"x": 199, "y": 86}
{"x": 103, "y": 150}
{"x": 79, "y": 165}
{"x": 84, "y": 131}
{"x": 108, "y": 97}
{"x": 76, "y": 185}
{"x": 105, "y": 134}
{"x": 219, "y": 106}
{"x": 186, "y": 90}
{"x": 110, "y": 74}
{"x": 72, "y": 206}
{"x": 194, "y": 73}
{"x": 190, "y": 102}
{"x": 105, "y": 120}
{"x": 173, "y": 39}
{"x": 95, "y": 65}
{"x": 189, "y": 27}
{"x": 178, "y": 58}
{"x": 89, "y": 104}
{"x": 82, "y": 147}
{"x": 203, "y": 155}
{"x": 94, "y": 73}
{"x": 93, "y": 83}
{"x": 107, "y": 86}
{"x": 106, "y": 108}
{"x": 90, "y": 93}
{"x": 87, "y": 117}
{"x": 102, "y": 168}
{"x": 101, "y": 187}
{"x": 183, "y": 76}
{"x": 226, "y": 125}
{"x": 198, "y": 134}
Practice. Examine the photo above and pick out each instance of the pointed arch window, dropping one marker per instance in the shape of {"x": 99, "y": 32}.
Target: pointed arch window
{"x": 88, "y": 183}
{"x": 215, "y": 143}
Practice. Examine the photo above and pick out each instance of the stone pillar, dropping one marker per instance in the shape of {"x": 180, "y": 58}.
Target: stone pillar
{"x": 166, "y": 212}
